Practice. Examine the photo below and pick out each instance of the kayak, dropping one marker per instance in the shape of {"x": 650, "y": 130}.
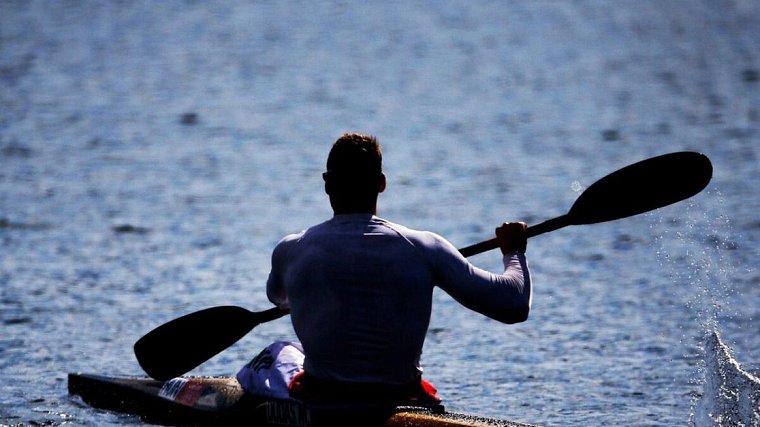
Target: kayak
{"x": 204, "y": 401}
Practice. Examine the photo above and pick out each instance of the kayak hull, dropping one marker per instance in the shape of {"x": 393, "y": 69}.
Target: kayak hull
{"x": 206, "y": 401}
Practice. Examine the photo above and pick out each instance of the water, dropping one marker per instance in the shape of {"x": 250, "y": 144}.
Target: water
{"x": 152, "y": 153}
{"x": 730, "y": 394}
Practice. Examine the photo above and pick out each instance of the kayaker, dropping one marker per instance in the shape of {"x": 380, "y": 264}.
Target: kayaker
{"x": 359, "y": 289}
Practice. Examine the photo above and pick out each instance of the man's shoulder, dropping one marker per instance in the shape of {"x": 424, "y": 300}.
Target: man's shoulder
{"x": 290, "y": 239}
{"x": 417, "y": 235}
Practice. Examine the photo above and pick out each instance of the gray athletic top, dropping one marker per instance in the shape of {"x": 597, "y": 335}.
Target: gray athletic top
{"x": 360, "y": 293}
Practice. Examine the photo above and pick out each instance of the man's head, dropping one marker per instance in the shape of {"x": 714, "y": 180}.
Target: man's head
{"x": 354, "y": 175}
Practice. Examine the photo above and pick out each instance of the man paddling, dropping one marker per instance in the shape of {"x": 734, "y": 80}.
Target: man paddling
{"x": 359, "y": 289}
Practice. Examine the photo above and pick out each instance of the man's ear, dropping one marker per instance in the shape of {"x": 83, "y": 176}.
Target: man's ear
{"x": 381, "y": 183}
{"x": 327, "y": 185}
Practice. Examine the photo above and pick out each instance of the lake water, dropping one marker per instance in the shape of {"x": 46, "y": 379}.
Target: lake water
{"x": 152, "y": 154}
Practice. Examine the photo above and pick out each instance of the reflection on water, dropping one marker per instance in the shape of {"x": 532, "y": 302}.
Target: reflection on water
{"x": 152, "y": 154}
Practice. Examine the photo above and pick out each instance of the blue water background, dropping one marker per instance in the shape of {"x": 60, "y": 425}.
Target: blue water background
{"x": 199, "y": 129}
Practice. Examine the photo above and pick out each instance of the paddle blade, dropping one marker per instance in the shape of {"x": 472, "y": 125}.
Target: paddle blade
{"x": 641, "y": 187}
{"x": 182, "y": 344}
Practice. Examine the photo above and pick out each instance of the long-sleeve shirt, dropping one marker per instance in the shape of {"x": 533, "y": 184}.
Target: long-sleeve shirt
{"x": 360, "y": 291}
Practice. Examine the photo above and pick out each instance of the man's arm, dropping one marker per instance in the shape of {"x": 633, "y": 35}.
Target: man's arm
{"x": 276, "y": 291}
{"x": 505, "y": 297}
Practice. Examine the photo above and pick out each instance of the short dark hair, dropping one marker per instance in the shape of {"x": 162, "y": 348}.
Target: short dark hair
{"x": 355, "y": 155}
{"x": 354, "y": 175}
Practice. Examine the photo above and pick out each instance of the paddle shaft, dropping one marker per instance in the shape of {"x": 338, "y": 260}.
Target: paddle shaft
{"x": 531, "y": 231}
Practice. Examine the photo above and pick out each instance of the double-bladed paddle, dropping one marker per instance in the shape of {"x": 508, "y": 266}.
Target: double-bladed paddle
{"x": 182, "y": 344}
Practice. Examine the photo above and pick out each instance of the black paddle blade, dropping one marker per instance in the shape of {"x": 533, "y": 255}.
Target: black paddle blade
{"x": 641, "y": 187}
{"x": 182, "y": 344}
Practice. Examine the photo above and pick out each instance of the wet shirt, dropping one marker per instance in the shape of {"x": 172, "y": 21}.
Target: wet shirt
{"x": 360, "y": 292}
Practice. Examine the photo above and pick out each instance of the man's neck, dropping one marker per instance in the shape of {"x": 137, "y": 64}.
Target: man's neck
{"x": 348, "y": 210}
{"x": 344, "y": 205}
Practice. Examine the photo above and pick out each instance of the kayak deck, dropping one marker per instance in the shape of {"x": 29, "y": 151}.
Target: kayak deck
{"x": 203, "y": 401}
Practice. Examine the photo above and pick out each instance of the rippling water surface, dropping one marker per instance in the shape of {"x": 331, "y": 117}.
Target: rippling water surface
{"x": 152, "y": 154}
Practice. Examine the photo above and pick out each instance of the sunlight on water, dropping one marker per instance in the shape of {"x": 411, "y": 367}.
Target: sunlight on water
{"x": 152, "y": 154}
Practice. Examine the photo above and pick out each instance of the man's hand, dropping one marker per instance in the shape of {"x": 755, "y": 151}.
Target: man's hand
{"x": 512, "y": 238}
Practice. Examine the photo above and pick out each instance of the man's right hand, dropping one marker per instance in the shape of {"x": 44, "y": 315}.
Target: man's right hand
{"x": 512, "y": 237}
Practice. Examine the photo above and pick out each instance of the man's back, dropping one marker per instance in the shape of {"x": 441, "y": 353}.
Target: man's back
{"x": 360, "y": 296}
{"x": 360, "y": 292}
